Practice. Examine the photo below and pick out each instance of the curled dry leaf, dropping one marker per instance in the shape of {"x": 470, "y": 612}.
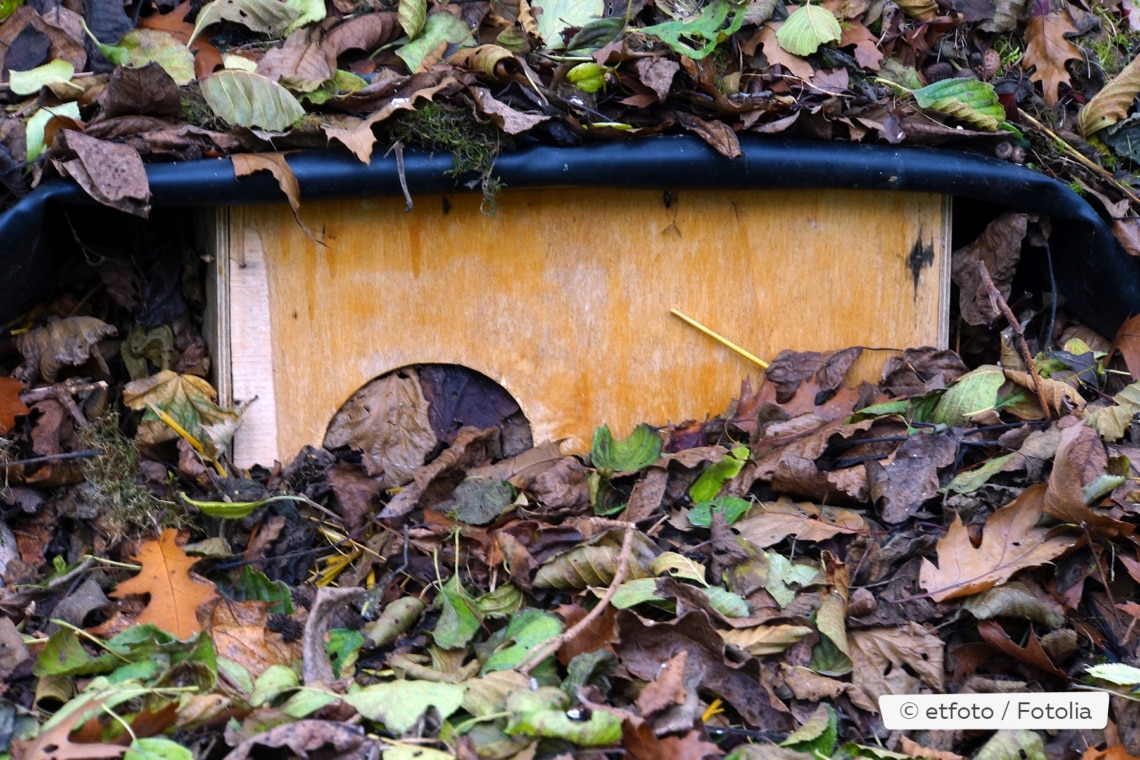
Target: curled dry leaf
{"x": 69, "y": 342}
{"x": 1113, "y": 102}
{"x": 998, "y": 249}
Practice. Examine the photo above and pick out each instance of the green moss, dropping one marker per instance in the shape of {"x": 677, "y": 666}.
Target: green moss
{"x": 115, "y": 484}
{"x": 451, "y": 128}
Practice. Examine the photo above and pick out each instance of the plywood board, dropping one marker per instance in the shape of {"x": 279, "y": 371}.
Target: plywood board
{"x": 564, "y": 298}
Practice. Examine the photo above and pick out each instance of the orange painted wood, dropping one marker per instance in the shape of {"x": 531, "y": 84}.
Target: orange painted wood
{"x": 564, "y": 297}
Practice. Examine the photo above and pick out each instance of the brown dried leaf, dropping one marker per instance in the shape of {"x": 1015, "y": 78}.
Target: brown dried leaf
{"x": 145, "y": 91}
{"x": 310, "y": 738}
{"x": 368, "y": 31}
{"x": 641, "y": 743}
{"x": 905, "y": 483}
{"x": 1031, "y": 654}
{"x": 387, "y": 419}
{"x": 1127, "y": 342}
{"x": 1127, "y": 233}
{"x": 999, "y": 250}
{"x": 510, "y": 120}
{"x": 70, "y": 342}
{"x": 645, "y": 645}
{"x": 1061, "y": 397}
{"x": 867, "y": 52}
{"x": 714, "y": 132}
{"x": 777, "y": 56}
{"x": 303, "y": 63}
{"x": 657, "y": 74}
{"x": 1047, "y": 50}
{"x": 771, "y": 522}
{"x": 246, "y": 164}
{"x": 1010, "y": 542}
{"x": 111, "y": 173}
{"x": 1080, "y": 459}
{"x": 921, "y": 370}
{"x": 913, "y": 749}
{"x": 1113, "y": 102}
{"x": 174, "y": 596}
{"x": 667, "y": 688}
{"x": 55, "y": 743}
{"x": 884, "y": 659}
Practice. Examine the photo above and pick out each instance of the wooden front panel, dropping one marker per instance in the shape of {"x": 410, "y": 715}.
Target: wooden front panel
{"x": 564, "y": 297}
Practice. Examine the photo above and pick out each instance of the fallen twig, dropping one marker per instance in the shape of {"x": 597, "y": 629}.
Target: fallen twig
{"x": 1022, "y": 347}
{"x": 554, "y": 644}
{"x": 85, "y": 454}
{"x": 63, "y": 393}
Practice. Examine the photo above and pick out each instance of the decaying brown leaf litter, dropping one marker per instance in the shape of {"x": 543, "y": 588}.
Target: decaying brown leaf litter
{"x": 433, "y": 582}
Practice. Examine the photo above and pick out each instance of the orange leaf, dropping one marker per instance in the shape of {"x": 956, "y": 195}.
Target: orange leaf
{"x": 1047, "y": 50}
{"x": 1010, "y": 542}
{"x": 1032, "y": 653}
{"x": 11, "y": 406}
{"x": 246, "y": 164}
{"x": 174, "y": 595}
{"x": 1127, "y": 342}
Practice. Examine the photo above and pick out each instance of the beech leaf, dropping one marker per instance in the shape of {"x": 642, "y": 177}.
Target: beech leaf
{"x": 29, "y": 82}
{"x": 412, "y": 14}
{"x": 969, "y": 100}
{"x": 806, "y": 28}
{"x": 270, "y": 17}
{"x": 557, "y": 16}
{"x": 638, "y": 450}
{"x": 400, "y": 704}
{"x": 245, "y": 99}
{"x": 144, "y": 46}
{"x": 1111, "y": 104}
{"x": 440, "y": 31}
{"x": 174, "y": 595}
{"x": 1011, "y": 541}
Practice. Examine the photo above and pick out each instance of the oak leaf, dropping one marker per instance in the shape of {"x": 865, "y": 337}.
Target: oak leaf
{"x": 1010, "y": 542}
{"x": 55, "y": 743}
{"x": 174, "y": 595}
{"x": 1047, "y": 50}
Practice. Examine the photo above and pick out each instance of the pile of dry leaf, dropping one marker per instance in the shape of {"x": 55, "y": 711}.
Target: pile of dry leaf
{"x": 745, "y": 586}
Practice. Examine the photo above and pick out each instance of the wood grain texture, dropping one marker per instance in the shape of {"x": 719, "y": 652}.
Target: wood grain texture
{"x": 563, "y": 298}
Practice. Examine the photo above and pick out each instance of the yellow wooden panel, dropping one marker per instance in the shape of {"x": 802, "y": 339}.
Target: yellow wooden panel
{"x": 564, "y": 297}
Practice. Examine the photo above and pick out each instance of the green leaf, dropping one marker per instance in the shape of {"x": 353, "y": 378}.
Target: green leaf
{"x": 480, "y": 501}
{"x": 973, "y": 393}
{"x": 308, "y": 12}
{"x": 269, "y": 17}
{"x": 234, "y": 510}
{"x": 63, "y": 655}
{"x": 600, "y": 729}
{"x": 29, "y": 82}
{"x": 1013, "y": 600}
{"x": 343, "y": 646}
{"x": 818, "y": 734}
{"x": 275, "y": 681}
{"x": 157, "y": 748}
{"x": 440, "y": 29}
{"x": 254, "y": 585}
{"x": 705, "y": 30}
{"x": 400, "y": 704}
{"x": 727, "y": 603}
{"x": 457, "y": 622}
{"x": 34, "y": 129}
{"x": 558, "y": 16}
{"x": 807, "y": 28}
{"x": 678, "y": 566}
{"x": 412, "y": 14}
{"x": 504, "y": 601}
{"x": 708, "y": 485}
{"x": 245, "y": 99}
{"x": 528, "y": 630}
{"x": 596, "y": 34}
{"x": 970, "y": 100}
{"x": 639, "y": 450}
{"x": 968, "y": 481}
{"x": 1115, "y": 672}
{"x": 305, "y": 701}
{"x": 143, "y": 46}
{"x": 733, "y": 508}
{"x": 633, "y": 593}
{"x": 1016, "y": 744}
{"x": 587, "y": 77}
